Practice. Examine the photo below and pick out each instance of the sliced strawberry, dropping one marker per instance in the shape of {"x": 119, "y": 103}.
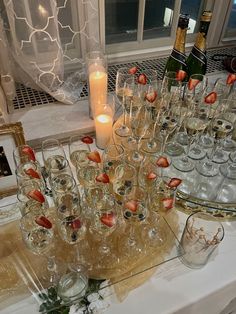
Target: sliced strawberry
{"x": 162, "y": 162}
{"x": 132, "y": 205}
{"x": 87, "y": 140}
{"x": 32, "y": 173}
{"x": 37, "y": 196}
{"x": 174, "y": 182}
{"x": 29, "y": 152}
{"x": 133, "y": 70}
{"x": 151, "y": 97}
{"x": 108, "y": 219}
{"x": 211, "y": 98}
{"x": 192, "y": 83}
{"x": 180, "y": 75}
{"x": 102, "y": 177}
{"x": 43, "y": 222}
{"x": 76, "y": 224}
{"x": 142, "y": 79}
{"x": 151, "y": 175}
{"x": 94, "y": 156}
{"x": 168, "y": 202}
{"x": 231, "y": 78}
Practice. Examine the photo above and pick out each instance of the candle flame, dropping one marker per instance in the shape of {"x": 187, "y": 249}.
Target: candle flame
{"x": 42, "y": 10}
{"x": 103, "y": 118}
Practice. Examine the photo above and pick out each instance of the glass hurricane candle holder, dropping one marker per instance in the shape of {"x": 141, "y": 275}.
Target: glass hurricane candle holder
{"x": 97, "y": 78}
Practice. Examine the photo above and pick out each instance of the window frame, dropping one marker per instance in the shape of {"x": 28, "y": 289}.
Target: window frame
{"x": 119, "y": 52}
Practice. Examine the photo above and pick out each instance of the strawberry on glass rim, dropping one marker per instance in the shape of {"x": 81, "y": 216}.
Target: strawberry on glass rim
{"x": 174, "y": 182}
{"x": 211, "y": 98}
{"x": 142, "y": 79}
{"x": 36, "y": 195}
{"x": 32, "y": 173}
{"x": 108, "y": 219}
{"x": 102, "y": 177}
{"x": 95, "y": 157}
{"x": 231, "y": 78}
{"x": 151, "y": 175}
{"x": 168, "y": 203}
{"x": 180, "y": 75}
{"x": 132, "y": 205}
{"x": 162, "y": 162}
{"x": 192, "y": 83}
{"x": 133, "y": 70}
{"x": 26, "y": 150}
{"x": 43, "y": 222}
{"x": 76, "y": 224}
{"x": 151, "y": 96}
{"x": 87, "y": 140}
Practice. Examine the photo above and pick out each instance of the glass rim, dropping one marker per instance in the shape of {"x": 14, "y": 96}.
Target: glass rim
{"x": 73, "y": 186}
{"x": 210, "y": 218}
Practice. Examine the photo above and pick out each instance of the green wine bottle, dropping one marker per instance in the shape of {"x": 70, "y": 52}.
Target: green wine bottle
{"x": 196, "y": 61}
{"x": 177, "y": 60}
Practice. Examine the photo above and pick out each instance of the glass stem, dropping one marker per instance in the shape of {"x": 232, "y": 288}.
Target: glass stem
{"x": 214, "y": 148}
{"x": 165, "y": 138}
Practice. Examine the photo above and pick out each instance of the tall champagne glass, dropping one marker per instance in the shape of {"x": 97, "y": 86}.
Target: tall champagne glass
{"x": 122, "y": 91}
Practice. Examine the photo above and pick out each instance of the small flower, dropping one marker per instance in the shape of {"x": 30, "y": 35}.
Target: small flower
{"x": 98, "y": 306}
{"x": 104, "y": 292}
{"x": 93, "y": 297}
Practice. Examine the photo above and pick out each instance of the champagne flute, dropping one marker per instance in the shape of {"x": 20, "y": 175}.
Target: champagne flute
{"x": 79, "y": 150}
{"x": 37, "y": 232}
{"x": 123, "y": 92}
{"x": 113, "y": 156}
{"x": 54, "y": 156}
{"x": 135, "y": 211}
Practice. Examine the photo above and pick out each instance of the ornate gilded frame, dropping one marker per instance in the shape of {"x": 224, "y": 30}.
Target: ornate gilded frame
{"x": 14, "y": 130}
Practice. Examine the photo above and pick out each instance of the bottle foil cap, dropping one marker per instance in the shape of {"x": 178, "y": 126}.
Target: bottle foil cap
{"x": 206, "y": 16}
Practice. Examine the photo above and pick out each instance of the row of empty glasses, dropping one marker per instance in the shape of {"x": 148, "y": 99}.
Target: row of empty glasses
{"x": 194, "y": 123}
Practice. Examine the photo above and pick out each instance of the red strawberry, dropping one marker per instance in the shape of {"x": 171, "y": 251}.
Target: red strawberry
{"x": 133, "y": 70}
{"x": 151, "y": 97}
{"x": 29, "y": 152}
{"x": 211, "y": 98}
{"x": 43, "y": 222}
{"x": 76, "y": 224}
{"x": 174, "y": 182}
{"x": 87, "y": 140}
{"x": 108, "y": 219}
{"x": 151, "y": 175}
{"x": 102, "y": 177}
{"x": 231, "y": 78}
{"x": 192, "y": 83}
{"x": 168, "y": 202}
{"x": 142, "y": 79}
{"x": 162, "y": 162}
{"x": 32, "y": 173}
{"x": 180, "y": 75}
{"x": 132, "y": 205}
{"x": 94, "y": 156}
{"x": 37, "y": 196}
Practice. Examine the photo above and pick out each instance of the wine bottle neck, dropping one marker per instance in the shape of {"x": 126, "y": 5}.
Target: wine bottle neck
{"x": 180, "y": 40}
{"x": 201, "y": 36}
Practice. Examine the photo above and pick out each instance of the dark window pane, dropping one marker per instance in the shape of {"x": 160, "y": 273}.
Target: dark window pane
{"x": 194, "y": 9}
{"x": 231, "y": 27}
{"x": 158, "y": 18}
{"x": 121, "y": 18}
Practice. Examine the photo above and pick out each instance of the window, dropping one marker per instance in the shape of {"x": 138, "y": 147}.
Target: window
{"x": 231, "y": 25}
{"x": 138, "y": 26}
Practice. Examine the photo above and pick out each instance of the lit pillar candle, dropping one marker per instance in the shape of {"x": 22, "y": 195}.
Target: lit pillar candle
{"x": 97, "y": 90}
{"x": 103, "y": 127}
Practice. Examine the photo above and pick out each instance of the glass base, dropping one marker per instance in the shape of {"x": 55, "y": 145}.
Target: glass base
{"x": 174, "y": 149}
{"x": 150, "y": 147}
{"x": 229, "y": 145}
{"x": 220, "y": 157}
{"x": 184, "y": 164}
{"x": 206, "y": 141}
{"x": 182, "y": 138}
{"x": 207, "y": 168}
{"x": 232, "y": 157}
{"x": 122, "y": 131}
{"x": 136, "y": 156}
{"x": 196, "y": 153}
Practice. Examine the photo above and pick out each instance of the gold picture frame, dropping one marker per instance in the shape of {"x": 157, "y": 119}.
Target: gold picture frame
{"x": 11, "y": 136}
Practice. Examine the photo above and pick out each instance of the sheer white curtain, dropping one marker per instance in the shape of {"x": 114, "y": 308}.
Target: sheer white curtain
{"x": 43, "y": 44}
